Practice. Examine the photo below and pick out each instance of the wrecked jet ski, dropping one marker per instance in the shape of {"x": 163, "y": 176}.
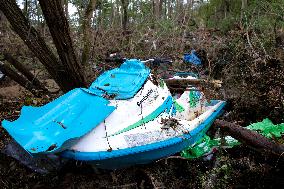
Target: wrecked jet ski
{"x": 125, "y": 117}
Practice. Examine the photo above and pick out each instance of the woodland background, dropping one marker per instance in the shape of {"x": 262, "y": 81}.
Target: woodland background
{"x": 50, "y": 47}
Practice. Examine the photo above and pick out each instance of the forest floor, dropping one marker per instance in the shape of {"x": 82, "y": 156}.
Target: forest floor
{"x": 240, "y": 167}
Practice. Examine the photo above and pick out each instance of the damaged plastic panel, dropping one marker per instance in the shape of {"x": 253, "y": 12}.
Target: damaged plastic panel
{"x": 58, "y": 124}
{"x": 42, "y": 164}
{"x": 122, "y": 82}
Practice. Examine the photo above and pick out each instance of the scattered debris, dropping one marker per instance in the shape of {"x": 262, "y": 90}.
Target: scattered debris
{"x": 192, "y": 58}
{"x": 206, "y": 145}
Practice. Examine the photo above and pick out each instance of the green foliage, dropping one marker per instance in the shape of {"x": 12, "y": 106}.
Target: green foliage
{"x": 225, "y": 15}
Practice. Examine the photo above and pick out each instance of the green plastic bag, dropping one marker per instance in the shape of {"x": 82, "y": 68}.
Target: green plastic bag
{"x": 267, "y": 128}
{"x": 206, "y": 144}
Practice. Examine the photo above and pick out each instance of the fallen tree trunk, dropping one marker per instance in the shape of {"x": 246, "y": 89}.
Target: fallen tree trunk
{"x": 7, "y": 70}
{"x": 186, "y": 82}
{"x": 250, "y": 138}
{"x": 21, "y": 68}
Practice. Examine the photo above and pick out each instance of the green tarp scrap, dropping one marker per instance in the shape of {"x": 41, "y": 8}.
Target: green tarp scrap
{"x": 267, "y": 128}
{"x": 206, "y": 144}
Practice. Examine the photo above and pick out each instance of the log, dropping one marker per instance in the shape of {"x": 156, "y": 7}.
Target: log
{"x": 186, "y": 82}
{"x": 24, "y": 70}
{"x": 7, "y": 70}
{"x": 250, "y": 138}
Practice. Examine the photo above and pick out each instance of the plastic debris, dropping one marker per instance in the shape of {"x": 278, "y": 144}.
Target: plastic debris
{"x": 54, "y": 126}
{"x": 206, "y": 145}
{"x": 123, "y": 82}
{"x": 124, "y": 118}
{"x": 43, "y": 164}
{"x": 267, "y": 128}
{"x": 192, "y": 58}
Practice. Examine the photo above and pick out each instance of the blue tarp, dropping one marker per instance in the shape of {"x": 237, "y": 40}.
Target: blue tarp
{"x": 57, "y": 125}
{"x": 192, "y": 58}
{"x": 123, "y": 82}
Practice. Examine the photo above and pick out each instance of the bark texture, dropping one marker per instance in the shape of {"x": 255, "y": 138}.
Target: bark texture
{"x": 25, "y": 71}
{"x": 59, "y": 30}
{"x": 185, "y": 82}
{"x": 7, "y": 70}
{"x": 63, "y": 76}
{"x": 86, "y": 27}
{"x": 125, "y": 14}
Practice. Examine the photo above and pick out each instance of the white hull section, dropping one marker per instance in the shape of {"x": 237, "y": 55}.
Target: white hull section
{"x": 122, "y": 128}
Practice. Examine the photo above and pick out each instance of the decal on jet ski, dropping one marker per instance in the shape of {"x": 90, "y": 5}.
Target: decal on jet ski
{"x": 145, "y": 97}
{"x": 166, "y": 106}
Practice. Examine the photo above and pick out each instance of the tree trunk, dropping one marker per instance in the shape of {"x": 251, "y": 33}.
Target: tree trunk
{"x": 7, "y": 70}
{"x": 226, "y": 8}
{"x": 178, "y": 10}
{"x": 170, "y": 9}
{"x": 23, "y": 70}
{"x": 66, "y": 9}
{"x": 59, "y": 30}
{"x": 63, "y": 77}
{"x": 244, "y": 6}
{"x": 86, "y": 27}
{"x": 161, "y": 8}
{"x": 156, "y": 9}
{"x": 125, "y": 14}
{"x": 25, "y": 9}
{"x": 190, "y": 4}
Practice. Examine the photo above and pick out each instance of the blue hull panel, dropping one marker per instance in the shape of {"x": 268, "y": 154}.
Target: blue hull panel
{"x": 59, "y": 124}
{"x": 146, "y": 153}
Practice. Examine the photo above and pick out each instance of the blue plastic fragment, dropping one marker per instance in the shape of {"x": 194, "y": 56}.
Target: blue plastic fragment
{"x": 192, "y": 58}
{"x": 58, "y": 124}
{"x": 123, "y": 82}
